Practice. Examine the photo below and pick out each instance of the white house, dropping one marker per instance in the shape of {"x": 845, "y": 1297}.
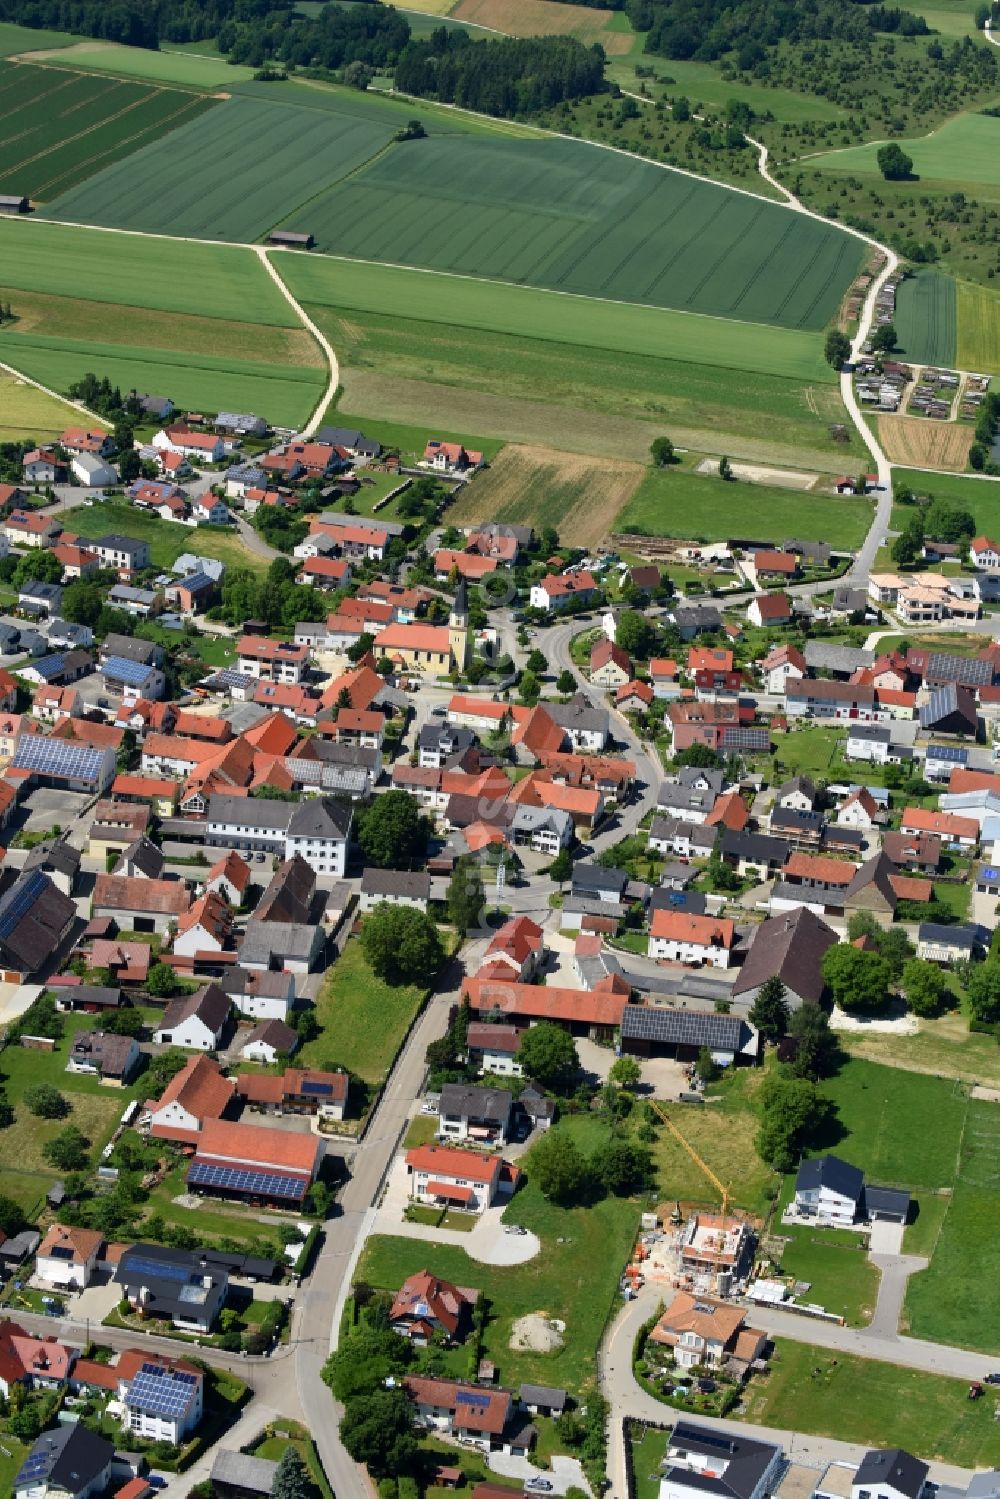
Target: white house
{"x": 701, "y": 1463}
{"x": 206, "y": 928}
{"x": 557, "y": 590}
{"x": 441, "y": 1175}
{"x": 782, "y": 663}
{"x": 206, "y": 446}
{"x": 891, "y": 1474}
{"x": 260, "y": 995}
{"x": 680, "y": 937}
{"x": 229, "y": 878}
{"x": 209, "y": 511}
{"x": 494, "y": 1048}
{"x": 196, "y": 1093}
{"x": 395, "y": 887}
{"x": 162, "y": 1402}
{"x": 829, "y": 1190}
{"x": 196, "y": 1021}
{"x": 870, "y": 742}
{"x": 92, "y": 472}
{"x": 319, "y": 831}
{"x": 67, "y": 1256}
{"x": 859, "y": 811}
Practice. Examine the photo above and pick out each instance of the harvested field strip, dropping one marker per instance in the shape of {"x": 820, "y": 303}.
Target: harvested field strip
{"x": 574, "y": 218}
{"x": 286, "y": 393}
{"x": 206, "y": 180}
{"x": 577, "y": 496}
{"x": 922, "y": 443}
{"x": 445, "y": 301}
{"x": 544, "y": 18}
{"x": 74, "y": 318}
{"x": 211, "y": 280}
{"x": 978, "y": 329}
{"x": 64, "y": 126}
{"x": 926, "y": 318}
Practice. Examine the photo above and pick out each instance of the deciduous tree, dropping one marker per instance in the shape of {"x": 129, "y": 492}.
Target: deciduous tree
{"x": 548, "y": 1054}
{"x": 401, "y": 944}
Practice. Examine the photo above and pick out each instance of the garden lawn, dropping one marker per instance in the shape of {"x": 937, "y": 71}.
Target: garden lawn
{"x": 677, "y": 502}
{"x": 575, "y": 1281}
{"x": 166, "y": 540}
{"x": 875, "y": 1403}
{"x": 362, "y": 1019}
{"x": 273, "y": 1448}
{"x": 980, "y": 496}
{"x": 957, "y": 1299}
{"x": 12, "y": 1455}
{"x": 809, "y": 751}
{"x": 221, "y": 281}
{"x": 211, "y": 1219}
{"x": 834, "y": 1261}
{"x": 944, "y": 1047}
{"x": 902, "y": 1128}
{"x": 647, "y": 1454}
{"x": 24, "y": 1172}
{"x": 927, "y": 1214}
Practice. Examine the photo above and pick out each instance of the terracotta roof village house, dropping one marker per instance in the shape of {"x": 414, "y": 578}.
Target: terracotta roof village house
{"x": 702, "y": 1330}
{"x": 247, "y": 1161}
{"x": 140, "y": 904}
{"x": 298, "y": 1090}
{"x": 196, "y": 1093}
{"x": 424, "y": 1305}
{"x": 484, "y": 1417}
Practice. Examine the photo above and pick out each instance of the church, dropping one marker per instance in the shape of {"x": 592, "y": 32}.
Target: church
{"x": 432, "y": 650}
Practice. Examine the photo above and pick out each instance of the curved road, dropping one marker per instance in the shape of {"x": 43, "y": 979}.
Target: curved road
{"x": 318, "y": 335}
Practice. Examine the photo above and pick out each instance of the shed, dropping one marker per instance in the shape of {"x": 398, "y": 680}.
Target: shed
{"x": 290, "y": 239}
{"x": 12, "y": 203}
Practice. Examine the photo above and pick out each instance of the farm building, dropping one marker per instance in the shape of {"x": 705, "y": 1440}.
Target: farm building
{"x": 290, "y": 240}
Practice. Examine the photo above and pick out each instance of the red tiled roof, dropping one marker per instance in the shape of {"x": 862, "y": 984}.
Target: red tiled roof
{"x": 265, "y": 1147}
{"x": 123, "y": 893}
{"x": 682, "y": 926}
{"x": 447, "y": 1160}
{"x": 547, "y": 1002}
{"x": 910, "y": 887}
{"x": 923, "y": 820}
{"x": 815, "y": 867}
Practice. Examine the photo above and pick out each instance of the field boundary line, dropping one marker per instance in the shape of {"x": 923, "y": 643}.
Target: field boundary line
{"x": 320, "y": 337}
{"x": 46, "y": 390}
{"x": 107, "y": 73}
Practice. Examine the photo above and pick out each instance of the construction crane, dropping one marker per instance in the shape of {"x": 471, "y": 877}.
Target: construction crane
{"x": 722, "y": 1190}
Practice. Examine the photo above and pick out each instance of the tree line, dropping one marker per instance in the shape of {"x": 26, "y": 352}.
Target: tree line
{"x": 507, "y": 77}
{"x": 136, "y": 23}
{"x": 707, "y": 29}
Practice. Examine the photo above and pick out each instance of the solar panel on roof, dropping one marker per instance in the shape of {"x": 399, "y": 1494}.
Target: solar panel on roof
{"x": 143, "y": 1265}
{"x": 19, "y": 899}
{"x": 160, "y": 1391}
{"x": 255, "y": 1183}
{"x": 681, "y": 1027}
{"x": 321, "y": 1089}
{"x": 57, "y": 757}
{"x": 133, "y": 672}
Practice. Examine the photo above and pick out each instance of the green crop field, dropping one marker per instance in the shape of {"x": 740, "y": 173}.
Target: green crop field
{"x": 141, "y": 62}
{"x": 284, "y": 394}
{"x": 966, "y": 149}
{"x": 58, "y": 127}
{"x": 926, "y": 318}
{"x": 229, "y": 175}
{"x": 577, "y": 218}
{"x": 169, "y": 275}
{"x": 530, "y": 313}
{"x": 694, "y": 506}
{"x": 978, "y": 328}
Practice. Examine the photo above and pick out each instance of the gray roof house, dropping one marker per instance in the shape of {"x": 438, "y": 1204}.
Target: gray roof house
{"x": 395, "y": 887}
{"x": 270, "y": 945}
{"x": 709, "y": 1464}
{"x": 319, "y": 830}
{"x": 890, "y": 1473}
{"x": 238, "y": 1475}
{"x": 72, "y": 1462}
{"x": 176, "y": 1284}
{"x": 481, "y": 1114}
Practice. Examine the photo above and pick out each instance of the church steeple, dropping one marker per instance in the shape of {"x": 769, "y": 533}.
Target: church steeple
{"x": 458, "y": 627}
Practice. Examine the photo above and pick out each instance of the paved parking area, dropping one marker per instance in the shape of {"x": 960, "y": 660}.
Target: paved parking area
{"x": 46, "y": 807}
{"x": 565, "y": 1473}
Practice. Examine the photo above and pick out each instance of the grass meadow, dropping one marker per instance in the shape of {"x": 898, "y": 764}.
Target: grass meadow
{"x": 957, "y": 1299}
{"x": 535, "y": 18}
{"x": 926, "y": 318}
{"x": 544, "y": 390}
{"x": 70, "y": 125}
{"x": 677, "y": 502}
{"x": 981, "y": 497}
{"x": 163, "y": 66}
{"x": 14, "y": 38}
{"x": 573, "y": 217}
{"x": 285, "y": 394}
{"x": 349, "y": 998}
{"x": 206, "y": 179}
{"x": 703, "y": 84}
{"x": 978, "y": 328}
{"x": 964, "y": 149}
{"x": 879, "y": 1404}
{"x": 887, "y": 1115}
{"x": 218, "y": 281}
{"x": 26, "y": 412}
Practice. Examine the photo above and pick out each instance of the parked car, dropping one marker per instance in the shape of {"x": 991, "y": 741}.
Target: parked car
{"x": 538, "y": 1485}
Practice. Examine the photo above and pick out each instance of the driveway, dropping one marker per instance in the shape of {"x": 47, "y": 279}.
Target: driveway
{"x": 565, "y": 1473}
{"x": 486, "y": 1242}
